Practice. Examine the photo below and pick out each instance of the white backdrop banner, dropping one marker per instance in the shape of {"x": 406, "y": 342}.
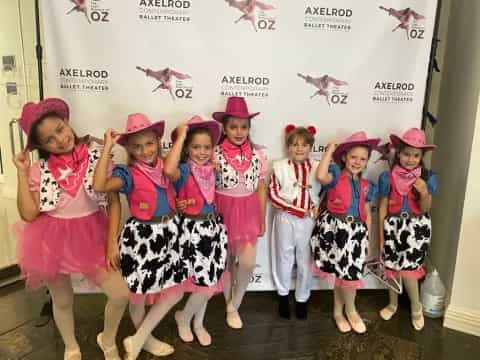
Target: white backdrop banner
{"x": 340, "y": 65}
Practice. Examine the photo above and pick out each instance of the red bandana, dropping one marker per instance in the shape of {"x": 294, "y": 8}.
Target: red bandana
{"x": 238, "y": 156}
{"x": 69, "y": 169}
{"x": 204, "y": 175}
{"x": 404, "y": 178}
{"x": 154, "y": 173}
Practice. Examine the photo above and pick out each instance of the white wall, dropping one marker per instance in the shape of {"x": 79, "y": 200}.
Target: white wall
{"x": 464, "y": 308}
{"x": 17, "y": 37}
{"x": 455, "y": 210}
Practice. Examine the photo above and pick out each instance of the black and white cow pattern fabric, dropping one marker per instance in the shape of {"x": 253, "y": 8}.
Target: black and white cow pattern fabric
{"x": 207, "y": 242}
{"x": 153, "y": 256}
{"x": 407, "y": 241}
{"x": 339, "y": 247}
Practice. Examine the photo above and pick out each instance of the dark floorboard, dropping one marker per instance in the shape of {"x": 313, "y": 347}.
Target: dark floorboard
{"x": 264, "y": 337}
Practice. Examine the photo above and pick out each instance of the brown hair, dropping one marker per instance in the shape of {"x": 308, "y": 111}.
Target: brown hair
{"x": 35, "y": 141}
{"x": 299, "y": 132}
{"x": 396, "y": 160}
{"x": 225, "y": 122}
{"x": 188, "y": 140}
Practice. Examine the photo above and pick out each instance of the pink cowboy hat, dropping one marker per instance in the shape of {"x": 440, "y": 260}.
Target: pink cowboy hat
{"x": 412, "y": 137}
{"x": 237, "y": 107}
{"x": 31, "y": 112}
{"x": 358, "y": 138}
{"x": 197, "y": 122}
{"x": 139, "y": 122}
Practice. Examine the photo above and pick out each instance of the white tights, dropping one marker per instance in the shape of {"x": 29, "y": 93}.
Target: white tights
{"x": 240, "y": 274}
{"x": 117, "y": 294}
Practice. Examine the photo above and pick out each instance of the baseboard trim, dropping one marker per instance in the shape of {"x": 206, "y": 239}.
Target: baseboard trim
{"x": 462, "y": 319}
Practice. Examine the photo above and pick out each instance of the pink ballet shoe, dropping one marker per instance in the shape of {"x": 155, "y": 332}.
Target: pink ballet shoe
{"x": 342, "y": 323}
{"x": 158, "y": 348}
{"x": 234, "y": 320}
{"x": 184, "y": 331}
{"x": 387, "y": 312}
{"x": 418, "y": 321}
{"x": 203, "y": 336}
{"x": 72, "y": 355}
{"x": 111, "y": 352}
{"x": 356, "y": 323}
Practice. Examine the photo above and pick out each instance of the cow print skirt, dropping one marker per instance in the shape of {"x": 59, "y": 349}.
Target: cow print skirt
{"x": 207, "y": 243}
{"x": 406, "y": 242}
{"x": 152, "y": 255}
{"x": 339, "y": 247}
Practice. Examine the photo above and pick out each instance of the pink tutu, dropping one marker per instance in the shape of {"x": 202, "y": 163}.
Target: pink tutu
{"x": 242, "y": 217}
{"x": 185, "y": 286}
{"x": 411, "y": 274}
{"x": 51, "y": 246}
{"x": 337, "y": 282}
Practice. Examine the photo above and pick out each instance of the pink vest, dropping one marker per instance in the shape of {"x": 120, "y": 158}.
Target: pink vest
{"x": 339, "y": 197}
{"x": 395, "y": 200}
{"x": 191, "y": 191}
{"x": 142, "y": 201}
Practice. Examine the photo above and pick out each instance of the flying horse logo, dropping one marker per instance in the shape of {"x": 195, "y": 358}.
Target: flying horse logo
{"x": 164, "y": 77}
{"x": 322, "y": 84}
{"x": 80, "y": 6}
{"x": 248, "y": 7}
{"x": 405, "y": 16}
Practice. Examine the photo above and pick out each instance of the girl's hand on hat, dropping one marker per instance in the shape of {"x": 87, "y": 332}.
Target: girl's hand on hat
{"x": 110, "y": 138}
{"x": 22, "y": 162}
{"x": 421, "y": 186}
{"x": 331, "y": 146}
{"x": 181, "y": 131}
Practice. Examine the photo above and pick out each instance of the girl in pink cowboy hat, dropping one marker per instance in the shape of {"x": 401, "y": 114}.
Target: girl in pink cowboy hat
{"x": 202, "y": 227}
{"x": 340, "y": 236}
{"x": 240, "y": 198}
{"x": 152, "y": 259}
{"x": 404, "y": 222}
{"x": 66, "y": 224}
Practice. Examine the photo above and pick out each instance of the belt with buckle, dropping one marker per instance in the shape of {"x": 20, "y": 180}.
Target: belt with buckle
{"x": 208, "y": 216}
{"x": 163, "y": 218}
{"x": 347, "y": 218}
{"x": 406, "y": 215}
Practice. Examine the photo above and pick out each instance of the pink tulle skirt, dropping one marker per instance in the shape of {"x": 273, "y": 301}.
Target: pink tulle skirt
{"x": 186, "y": 286}
{"x": 337, "y": 282}
{"x": 242, "y": 217}
{"x": 49, "y": 247}
{"x": 410, "y": 274}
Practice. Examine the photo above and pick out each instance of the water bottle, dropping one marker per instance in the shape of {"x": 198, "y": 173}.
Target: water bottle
{"x": 432, "y": 295}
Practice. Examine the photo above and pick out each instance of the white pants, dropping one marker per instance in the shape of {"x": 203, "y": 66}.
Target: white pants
{"x": 290, "y": 244}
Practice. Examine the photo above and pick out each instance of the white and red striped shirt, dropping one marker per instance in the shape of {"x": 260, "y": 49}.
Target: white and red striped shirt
{"x": 300, "y": 203}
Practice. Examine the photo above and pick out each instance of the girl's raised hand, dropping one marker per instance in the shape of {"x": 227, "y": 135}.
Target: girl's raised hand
{"x": 331, "y": 146}
{"x": 110, "y": 138}
{"x": 181, "y": 131}
{"x": 22, "y": 162}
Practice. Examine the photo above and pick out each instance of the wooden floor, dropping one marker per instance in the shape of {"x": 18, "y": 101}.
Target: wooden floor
{"x": 265, "y": 336}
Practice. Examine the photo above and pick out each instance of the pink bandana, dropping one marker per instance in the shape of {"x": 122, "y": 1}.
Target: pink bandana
{"x": 238, "y": 157}
{"x": 154, "y": 173}
{"x": 69, "y": 169}
{"x": 204, "y": 175}
{"x": 404, "y": 178}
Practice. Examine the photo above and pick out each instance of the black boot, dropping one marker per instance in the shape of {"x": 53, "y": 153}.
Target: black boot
{"x": 301, "y": 310}
{"x": 283, "y": 307}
